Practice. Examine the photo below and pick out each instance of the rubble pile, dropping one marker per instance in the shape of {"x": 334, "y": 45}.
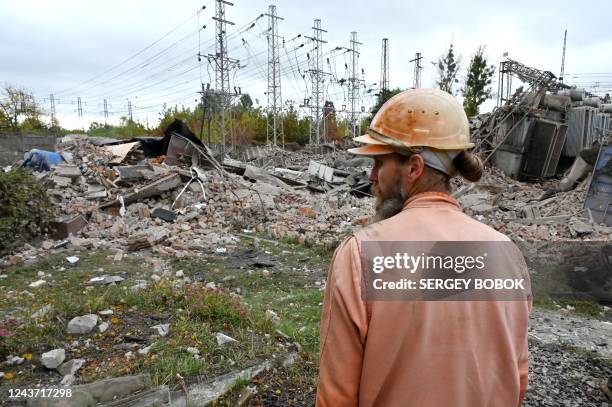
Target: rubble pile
{"x": 187, "y": 198}
{"x": 174, "y": 211}
{"x": 530, "y": 211}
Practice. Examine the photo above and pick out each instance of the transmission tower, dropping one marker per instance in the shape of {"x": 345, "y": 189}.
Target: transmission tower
{"x": 563, "y": 57}
{"x": 384, "y": 67}
{"x": 52, "y": 102}
{"x": 353, "y": 83}
{"x": 105, "y": 111}
{"x": 129, "y": 110}
{"x": 223, "y": 66}
{"x": 417, "y": 70}
{"x": 316, "y": 74}
{"x": 275, "y": 124}
{"x": 79, "y": 107}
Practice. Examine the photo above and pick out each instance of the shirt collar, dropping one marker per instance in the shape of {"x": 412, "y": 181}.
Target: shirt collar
{"x": 431, "y": 200}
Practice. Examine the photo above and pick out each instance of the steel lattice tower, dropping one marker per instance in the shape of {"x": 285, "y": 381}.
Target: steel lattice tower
{"x": 316, "y": 74}
{"x": 223, "y": 65}
{"x": 275, "y": 125}
{"x": 417, "y": 70}
{"x": 52, "y": 102}
{"x": 563, "y": 57}
{"x": 353, "y": 83}
{"x": 384, "y": 67}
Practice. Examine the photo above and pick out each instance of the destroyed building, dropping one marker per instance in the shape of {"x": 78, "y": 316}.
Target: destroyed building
{"x": 541, "y": 131}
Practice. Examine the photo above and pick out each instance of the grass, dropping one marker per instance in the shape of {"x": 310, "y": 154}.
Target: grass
{"x": 275, "y": 307}
{"x": 580, "y": 307}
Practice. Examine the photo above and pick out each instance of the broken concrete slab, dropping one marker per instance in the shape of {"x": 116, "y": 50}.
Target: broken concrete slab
{"x": 53, "y": 358}
{"x": 152, "y": 237}
{"x": 158, "y": 187}
{"x": 105, "y": 280}
{"x": 324, "y": 172}
{"x": 82, "y": 325}
{"x": 259, "y": 174}
{"x": 223, "y": 339}
{"x": 203, "y": 394}
{"x": 164, "y": 214}
{"x": 71, "y": 367}
{"x": 161, "y": 329}
{"x": 63, "y": 228}
{"x": 61, "y": 182}
{"x": 103, "y": 391}
{"x": 68, "y": 171}
{"x": 132, "y": 173}
{"x": 580, "y": 227}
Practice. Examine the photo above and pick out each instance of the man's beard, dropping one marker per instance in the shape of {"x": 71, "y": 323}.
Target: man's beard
{"x": 386, "y": 206}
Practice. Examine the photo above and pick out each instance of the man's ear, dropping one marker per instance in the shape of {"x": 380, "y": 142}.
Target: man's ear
{"x": 413, "y": 167}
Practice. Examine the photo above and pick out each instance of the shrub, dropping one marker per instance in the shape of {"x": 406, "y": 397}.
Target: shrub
{"x": 25, "y": 209}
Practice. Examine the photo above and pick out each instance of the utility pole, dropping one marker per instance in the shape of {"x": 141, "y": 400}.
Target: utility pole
{"x": 353, "y": 83}
{"x": 52, "y": 102}
{"x": 384, "y": 68}
{"x": 417, "y": 70}
{"x": 563, "y": 57}
{"x": 130, "y": 110}
{"x": 206, "y": 110}
{"x": 317, "y": 78}
{"x": 223, "y": 66}
{"x": 275, "y": 124}
{"x": 105, "y": 111}
{"x": 79, "y": 107}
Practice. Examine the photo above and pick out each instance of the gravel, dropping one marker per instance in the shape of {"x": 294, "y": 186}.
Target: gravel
{"x": 564, "y": 378}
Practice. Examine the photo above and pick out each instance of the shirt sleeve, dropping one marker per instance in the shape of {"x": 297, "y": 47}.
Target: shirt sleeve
{"x": 343, "y": 330}
{"x": 523, "y": 365}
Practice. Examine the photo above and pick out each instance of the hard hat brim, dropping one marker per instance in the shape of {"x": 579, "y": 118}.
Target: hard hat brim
{"x": 372, "y": 149}
{"x": 367, "y": 139}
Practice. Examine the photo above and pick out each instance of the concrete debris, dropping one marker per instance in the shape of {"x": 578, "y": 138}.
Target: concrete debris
{"x": 64, "y": 228}
{"x": 71, "y": 367}
{"x": 145, "y": 351}
{"x": 105, "y": 280}
{"x": 163, "y": 214}
{"x": 53, "y": 358}
{"x": 37, "y": 284}
{"x": 42, "y": 312}
{"x": 223, "y": 339}
{"x": 82, "y": 325}
{"x": 71, "y": 172}
{"x": 161, "y": 329}
{"x": 103, "y": 327}
{"x": 68, "y": 380}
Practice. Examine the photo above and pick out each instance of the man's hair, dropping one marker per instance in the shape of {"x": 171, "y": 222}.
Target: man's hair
{"x": 468, "y": 165}
{"x": 437, "y": 176}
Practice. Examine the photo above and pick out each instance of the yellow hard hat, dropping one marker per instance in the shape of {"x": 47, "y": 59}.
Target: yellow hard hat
{"x": 417, "y": 118}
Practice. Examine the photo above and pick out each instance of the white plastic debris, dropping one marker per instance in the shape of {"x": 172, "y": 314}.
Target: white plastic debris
{"x": 221, "y": 250}
{"x": 72, "y": 259}
{"x": 37, "y": 284}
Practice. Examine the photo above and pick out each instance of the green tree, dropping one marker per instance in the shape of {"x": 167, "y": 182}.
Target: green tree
{"x": 382, "y": 97}
{"x": 246, "y": 103}
{"x": 448, "y": 67}
{"x": 19, "y": 106}
{"x": 477, "y": 87}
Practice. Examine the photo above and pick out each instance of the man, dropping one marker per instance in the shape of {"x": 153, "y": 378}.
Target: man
{"x": 419, "y": 353}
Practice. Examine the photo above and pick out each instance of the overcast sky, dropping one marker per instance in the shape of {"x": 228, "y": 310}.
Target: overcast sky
{"x": 146, "y": 51}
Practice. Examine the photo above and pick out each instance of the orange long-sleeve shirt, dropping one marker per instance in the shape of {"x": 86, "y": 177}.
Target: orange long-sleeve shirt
{"x": 420, "y": 353}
